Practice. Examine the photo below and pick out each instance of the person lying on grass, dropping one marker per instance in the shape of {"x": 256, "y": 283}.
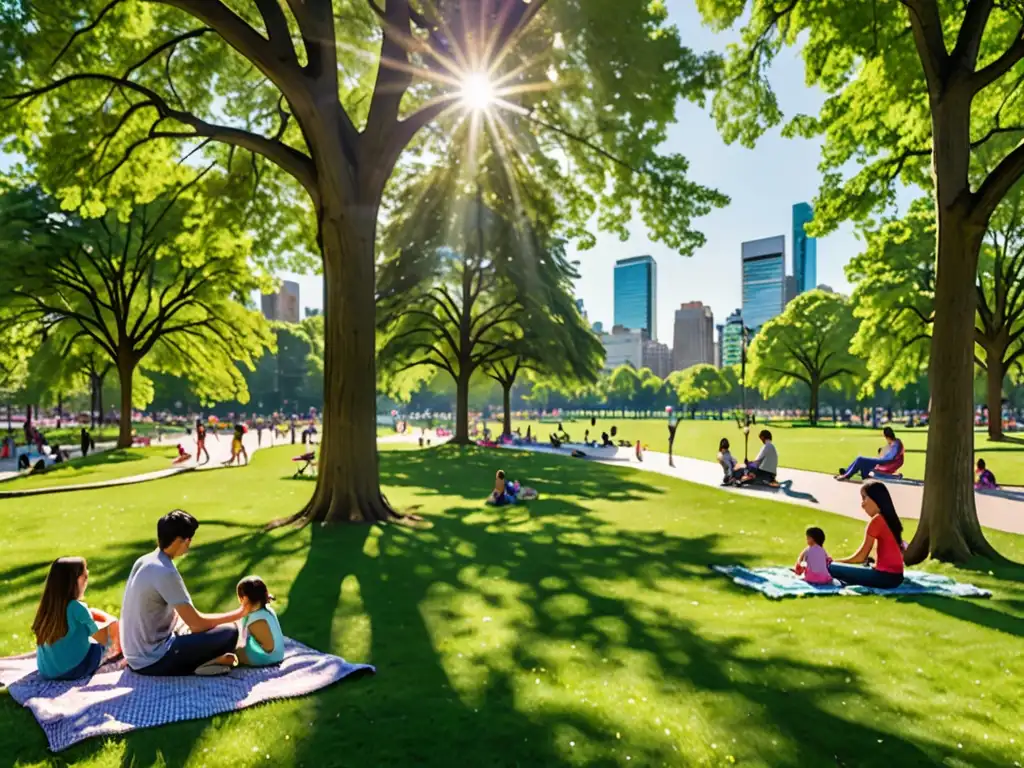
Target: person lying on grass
{"x": 813, "y": 562}
{"x": 263, "y": 640}
{"x": 72, "y": 639}
{"x": 885, "y": 534}
{"x": 161, "y": 631}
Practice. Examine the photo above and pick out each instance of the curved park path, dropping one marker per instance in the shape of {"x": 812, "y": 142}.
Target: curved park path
{"x": 1002, "y": 510}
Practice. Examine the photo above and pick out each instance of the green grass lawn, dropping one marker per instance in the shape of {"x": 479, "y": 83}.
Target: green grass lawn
{"x": 98, "y": 467}
{"x": 582, "y": 629}
{"x": 822, "y": 449}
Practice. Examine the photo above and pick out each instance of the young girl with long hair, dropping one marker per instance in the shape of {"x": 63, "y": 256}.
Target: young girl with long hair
{"x": 264, "y": 640}
{"x": 71, "y": 638}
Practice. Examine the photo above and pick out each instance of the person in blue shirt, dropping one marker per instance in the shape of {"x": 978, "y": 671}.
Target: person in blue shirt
{"x": 864, "y": 465}
{"x": 264, "y": 640}
{"x": 71, "y": 638}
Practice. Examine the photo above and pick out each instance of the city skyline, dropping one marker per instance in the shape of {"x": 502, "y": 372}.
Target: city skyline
{"x": 636, "y": 294}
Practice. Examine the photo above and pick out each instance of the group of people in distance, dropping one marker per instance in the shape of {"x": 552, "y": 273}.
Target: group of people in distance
{"x": 160, "y": 632}
{"x": 762, "y": 469}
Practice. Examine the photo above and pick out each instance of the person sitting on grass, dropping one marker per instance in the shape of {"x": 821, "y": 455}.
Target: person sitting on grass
{"x": 885, "y": 534}
{"x": 765, "y": 465}
{"x": 986, "y": 480}
{"x": 183, "y": 455}
{"x": 263, "y": 642}
{"x": 157, "y": 609}
{"x": 72, "y": 639}
{"x": 726, "y": 461}
{"x": 813, "y": 562}
{"x": 865, "y": 465}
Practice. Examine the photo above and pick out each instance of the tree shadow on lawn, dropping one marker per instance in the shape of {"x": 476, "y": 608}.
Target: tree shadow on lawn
{"x": 566, "y": 590}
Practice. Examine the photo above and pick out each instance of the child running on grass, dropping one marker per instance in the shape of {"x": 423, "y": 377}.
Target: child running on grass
{"x": 813, "y": 562}
{"x": 71, "y": 638}
{"x": 264, "y": 641}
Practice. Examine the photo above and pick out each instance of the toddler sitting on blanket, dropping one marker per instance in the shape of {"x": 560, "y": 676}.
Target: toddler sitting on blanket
{"x": 813, "y": 562}
{"x": 264, "y": 640}
{"x": 508, "y": 491}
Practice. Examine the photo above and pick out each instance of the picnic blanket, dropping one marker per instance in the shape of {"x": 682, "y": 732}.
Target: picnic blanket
{"x": 776, "y": 583}
{"x": 117, "y": 700}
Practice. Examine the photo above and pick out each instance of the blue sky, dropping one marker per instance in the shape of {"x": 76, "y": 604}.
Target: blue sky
{"x": 762, "y": 183}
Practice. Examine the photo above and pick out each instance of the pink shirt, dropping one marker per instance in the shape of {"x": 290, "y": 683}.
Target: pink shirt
{"x": 817, "y": 560}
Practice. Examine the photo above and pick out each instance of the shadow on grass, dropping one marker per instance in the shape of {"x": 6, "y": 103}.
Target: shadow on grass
{"x": 571, "y": 594}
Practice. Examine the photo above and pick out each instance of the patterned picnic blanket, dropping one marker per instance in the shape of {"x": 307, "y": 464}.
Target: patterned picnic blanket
{"x": 117, "y": 700}
{"x": 777, "y": 583}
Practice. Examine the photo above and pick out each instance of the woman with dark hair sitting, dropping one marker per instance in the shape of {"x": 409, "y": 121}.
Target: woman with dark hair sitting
{"x": 865, "y": 465}
{"x": 885, "y": 534}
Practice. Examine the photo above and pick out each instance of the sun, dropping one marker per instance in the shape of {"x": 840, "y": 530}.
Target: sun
{"x": 477, "y": 91}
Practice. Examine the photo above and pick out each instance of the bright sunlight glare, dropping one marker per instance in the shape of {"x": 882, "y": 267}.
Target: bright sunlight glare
{"x": 477, "y": 91}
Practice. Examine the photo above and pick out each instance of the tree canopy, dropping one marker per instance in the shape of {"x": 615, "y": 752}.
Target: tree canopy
{"x": 809, "y": 343}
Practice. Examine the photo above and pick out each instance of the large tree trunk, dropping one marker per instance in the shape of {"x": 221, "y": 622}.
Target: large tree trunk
{"x": 949, "y": 528}
{"x": 506, "y": 402}
{"x": 812, "y": 412}
{"x": 461, "y": 436}
{"x": 994, "y": 375}
{"x": 125, "y": 367}
{"x": 348, "y": 480}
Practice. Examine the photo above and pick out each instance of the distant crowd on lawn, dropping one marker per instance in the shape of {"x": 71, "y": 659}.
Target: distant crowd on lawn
{"x": 160, "y": 632}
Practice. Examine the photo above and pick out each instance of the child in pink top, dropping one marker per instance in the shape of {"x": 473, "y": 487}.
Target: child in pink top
{"x": 813, "y": 562}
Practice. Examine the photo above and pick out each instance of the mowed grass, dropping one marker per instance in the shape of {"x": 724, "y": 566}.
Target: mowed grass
{"x": 822, "y": 449}
{"x": 582, "y": 629}
{"x": 97, "y": 468}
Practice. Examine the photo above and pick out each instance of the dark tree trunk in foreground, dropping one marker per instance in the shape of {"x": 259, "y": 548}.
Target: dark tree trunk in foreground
{"x": 461, "y": 436}
{"x": 347, "y": 484}
{"x": 506, "y": 402}
{"x": 949, "y": 528}
{"x": 124, "y": 372}
{"x": 994, "y": 373}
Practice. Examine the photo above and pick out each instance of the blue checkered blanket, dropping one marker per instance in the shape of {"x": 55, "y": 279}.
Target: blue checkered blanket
{"x": 116, "y": 700}
{"x": 777, "y": 583}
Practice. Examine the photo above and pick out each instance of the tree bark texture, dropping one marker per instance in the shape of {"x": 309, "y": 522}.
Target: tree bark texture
{"x": 994, "y": 374}
{"x": 812, "y": 412}
{"x": 949, "y": 528}
{"x": 461, "y": 436}
{"x": 506, "y": 402}
{"x": 125, "y": 367}
{"x": 347, "y": 484}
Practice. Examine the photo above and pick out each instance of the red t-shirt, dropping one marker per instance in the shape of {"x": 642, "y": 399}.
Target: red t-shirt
{"x": 888, "y": 554}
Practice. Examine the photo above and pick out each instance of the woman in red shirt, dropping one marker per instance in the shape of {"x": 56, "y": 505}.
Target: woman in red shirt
{"x": 885, "y": 534}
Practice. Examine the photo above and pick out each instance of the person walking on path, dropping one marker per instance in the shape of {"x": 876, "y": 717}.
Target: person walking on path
{"x": 85, "y": 442}
{"x": 865, "y": 465}
{"x": 673, "y": 423}
{"x": 157, "y": 608}
{"x": 201, "y": 443}
{"x": 885, "y": 534}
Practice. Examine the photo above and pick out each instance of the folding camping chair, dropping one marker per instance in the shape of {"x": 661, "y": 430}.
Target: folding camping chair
{"x": 309, "y": 461}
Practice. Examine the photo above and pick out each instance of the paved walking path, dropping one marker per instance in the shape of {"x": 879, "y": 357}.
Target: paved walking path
{"x": 1002, "y": 510}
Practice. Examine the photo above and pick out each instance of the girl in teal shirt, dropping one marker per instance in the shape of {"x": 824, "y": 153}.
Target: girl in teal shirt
{"x": 264, "y": 640}
{"x": 70, "y": 637}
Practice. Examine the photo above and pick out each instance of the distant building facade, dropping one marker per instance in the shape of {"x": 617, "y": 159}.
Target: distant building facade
{"x": 764, "y": 280}
{"x": 636, "y": 294}
{"x": 805, "y": 249}
{"x": 732, "y": 340}
{"x": 657, "y": 357}
{"x": 791, "y": 289}
{"x": 694, "y": 336}
{"x": 282, "y": 306}
{"x": 623, "y": 346}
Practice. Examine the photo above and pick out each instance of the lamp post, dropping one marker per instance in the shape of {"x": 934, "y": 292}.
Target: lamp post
{"x": 744, "y": 338}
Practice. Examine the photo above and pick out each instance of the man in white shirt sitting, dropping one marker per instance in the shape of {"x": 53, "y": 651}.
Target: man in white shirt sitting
{"x": 764, "y": 468}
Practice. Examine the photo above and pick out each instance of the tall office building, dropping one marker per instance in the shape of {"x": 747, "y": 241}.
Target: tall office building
{"x": 764, "y": 280}
{"x": 282, "y": 306}
{"x": 805, "y": 250}
{"x": 636, "y": 294}
{"x": 791, "y": 288}
{"x": 718, "y": 345}
{"x": 731, "y": 345}
{"x": 657, "y": 357}
{"x": 623, "y": 346}
{"x": 694, "y": 339}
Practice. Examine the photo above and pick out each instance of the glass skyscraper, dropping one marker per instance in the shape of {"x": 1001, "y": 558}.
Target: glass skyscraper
{"x": 805, "y": 250}
{"x": 636, "y": 294}
{"x": 764, "y": 280}
{"x": 732, "y": 340}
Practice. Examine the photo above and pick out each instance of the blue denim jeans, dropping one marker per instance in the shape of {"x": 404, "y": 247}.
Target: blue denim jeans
{"x": 861, "y": 464}
{"x": 190, "y": 651}
{"x": 865, "y": 577}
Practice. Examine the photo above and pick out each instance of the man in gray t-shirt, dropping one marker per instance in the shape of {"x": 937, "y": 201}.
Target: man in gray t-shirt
{"x": 161, "y": 631}
{"x": 764, "y": 468}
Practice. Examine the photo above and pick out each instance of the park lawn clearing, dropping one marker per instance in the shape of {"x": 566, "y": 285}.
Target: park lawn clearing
{"x": 98, "y": 468}
{"x": 820, "y": 449}
{"x": 585, "y": 628}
